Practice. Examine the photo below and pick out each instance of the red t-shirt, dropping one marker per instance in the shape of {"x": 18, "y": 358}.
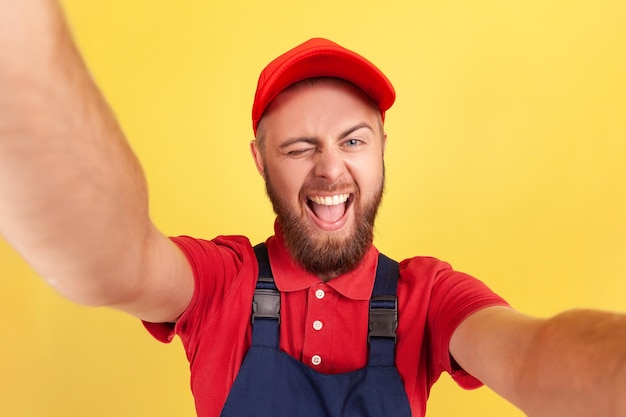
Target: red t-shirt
{"x": 324, "y": 325}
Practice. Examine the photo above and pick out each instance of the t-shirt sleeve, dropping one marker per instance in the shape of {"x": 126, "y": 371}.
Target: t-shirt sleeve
{"x": 440, "y": 298}
{"x": 217, "y": 265}
{"x": 454, "y": 296}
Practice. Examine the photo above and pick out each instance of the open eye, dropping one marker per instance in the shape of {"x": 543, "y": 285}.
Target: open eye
{"x": 353, "y": 143}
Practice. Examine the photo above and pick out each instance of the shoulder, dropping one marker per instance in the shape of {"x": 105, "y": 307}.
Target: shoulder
{"x": 233, "y": 242}
{"x": 222, "y": 249}
{"x": 423, "y": 265}
{"x": 440, "y": 277}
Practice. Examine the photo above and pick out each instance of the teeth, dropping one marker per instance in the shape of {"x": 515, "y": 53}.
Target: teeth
{"x": 330, "y": 200}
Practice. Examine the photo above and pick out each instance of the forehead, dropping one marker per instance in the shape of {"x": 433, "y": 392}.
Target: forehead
{"x": 328, "y": 83}
{"x": 319, "y": 103}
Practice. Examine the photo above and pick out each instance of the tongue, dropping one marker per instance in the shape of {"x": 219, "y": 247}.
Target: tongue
{"x": 328, "y": 214}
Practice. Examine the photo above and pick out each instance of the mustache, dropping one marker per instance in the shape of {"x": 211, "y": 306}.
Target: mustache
{"x": 318, "y": 186}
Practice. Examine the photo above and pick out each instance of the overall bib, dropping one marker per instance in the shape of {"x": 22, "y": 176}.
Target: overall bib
{"x": 271, "y": 383}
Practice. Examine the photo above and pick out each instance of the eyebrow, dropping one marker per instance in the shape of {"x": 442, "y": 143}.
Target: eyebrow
{"x": 353, "y": 129}
{"x": 315, "y": 141}
{"x": 305, "y": 139}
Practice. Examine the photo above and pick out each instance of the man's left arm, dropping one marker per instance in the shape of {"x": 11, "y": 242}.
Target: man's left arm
{"x": 570, "y": 365}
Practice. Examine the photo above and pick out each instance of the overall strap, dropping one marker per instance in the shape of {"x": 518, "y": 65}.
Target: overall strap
{"x": 387, "y": 273}
{"x": 266, "y": 303}
{"x": 383, "y": 317}
{"x": 263, "y": 259}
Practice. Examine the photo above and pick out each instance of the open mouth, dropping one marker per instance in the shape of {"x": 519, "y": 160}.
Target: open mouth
{"x": 330, "y": 210}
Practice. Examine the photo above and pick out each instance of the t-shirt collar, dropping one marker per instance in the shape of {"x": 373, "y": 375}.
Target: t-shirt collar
{"x": 290, "y": 276}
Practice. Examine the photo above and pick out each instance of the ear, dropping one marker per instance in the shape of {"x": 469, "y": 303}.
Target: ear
{"x": 258, "y": 158}
{"x": 384, "y": 142}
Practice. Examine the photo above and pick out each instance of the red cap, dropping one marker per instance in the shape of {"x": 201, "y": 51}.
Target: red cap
{"x": 320, "y": 58}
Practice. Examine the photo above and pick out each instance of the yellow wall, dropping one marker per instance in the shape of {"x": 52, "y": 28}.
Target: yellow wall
{"x": 506, "y": 157}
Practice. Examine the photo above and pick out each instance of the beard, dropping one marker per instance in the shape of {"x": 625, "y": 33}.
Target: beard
{"x": 327, "y": 254}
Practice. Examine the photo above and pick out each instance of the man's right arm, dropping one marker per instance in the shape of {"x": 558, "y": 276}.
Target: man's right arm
{"x": 73, "y": 198}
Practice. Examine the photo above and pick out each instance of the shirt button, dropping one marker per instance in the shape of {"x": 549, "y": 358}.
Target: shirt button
{"x": 317, "y": 325}
{"x": 316, "y": 360}
{"x": 320, "y": 294}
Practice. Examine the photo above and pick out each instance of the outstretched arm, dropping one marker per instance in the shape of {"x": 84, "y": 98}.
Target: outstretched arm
{"x": 73, "y": 198}
{"x": 570, "y": 365}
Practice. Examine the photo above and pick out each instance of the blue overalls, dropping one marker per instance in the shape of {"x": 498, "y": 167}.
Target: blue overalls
{"x": 272, "y": 383}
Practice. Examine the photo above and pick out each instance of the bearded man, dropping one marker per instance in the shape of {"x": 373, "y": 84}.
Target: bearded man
{"x": 314, "y": 321}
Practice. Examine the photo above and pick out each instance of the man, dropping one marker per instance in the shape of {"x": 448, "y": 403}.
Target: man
{"x": 74, "y": 203}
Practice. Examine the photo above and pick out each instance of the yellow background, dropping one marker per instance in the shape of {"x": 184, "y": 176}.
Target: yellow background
{"x": 506, "y": 157}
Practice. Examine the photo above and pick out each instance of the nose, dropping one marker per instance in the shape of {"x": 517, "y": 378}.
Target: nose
{"x": 329, "y": 164}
